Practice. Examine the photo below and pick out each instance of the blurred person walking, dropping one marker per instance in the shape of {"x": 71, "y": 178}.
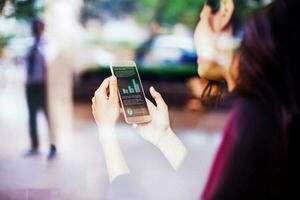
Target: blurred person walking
{"x": 36, "y": 87}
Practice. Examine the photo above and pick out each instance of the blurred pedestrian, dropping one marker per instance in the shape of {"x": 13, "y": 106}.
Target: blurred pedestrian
{"x": 36, "y": 88}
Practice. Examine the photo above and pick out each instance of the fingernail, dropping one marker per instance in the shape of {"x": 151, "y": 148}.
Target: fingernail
{"x": 114, "y": 78}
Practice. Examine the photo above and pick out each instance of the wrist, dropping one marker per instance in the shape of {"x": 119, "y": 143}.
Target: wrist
{"x": 106, "y": 130}
{"x": 115, "y": 162}
{"x": 107, "y": 125}
{"x": 172, "y": 148}
{"x": 168, "y": 132}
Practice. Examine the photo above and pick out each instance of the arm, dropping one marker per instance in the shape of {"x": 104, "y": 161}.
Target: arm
{"x": 106, "y": 110}
{"x": 115, "y": 161}
{"x": 172, "y": 148}
{"x": 159, "y": 133}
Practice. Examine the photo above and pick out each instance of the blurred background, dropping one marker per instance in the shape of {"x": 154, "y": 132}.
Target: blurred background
{"x": 81, "y": 38}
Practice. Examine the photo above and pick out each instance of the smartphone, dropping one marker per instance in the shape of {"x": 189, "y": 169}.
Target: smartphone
{"x": 131, "y": 92}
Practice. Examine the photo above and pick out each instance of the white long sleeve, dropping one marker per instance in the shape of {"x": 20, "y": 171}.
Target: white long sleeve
{"x": 172, "y": 148}
{"x": 115, "y": 162}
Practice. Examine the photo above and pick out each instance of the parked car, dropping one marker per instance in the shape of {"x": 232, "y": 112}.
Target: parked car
{"x": 165, "y": 49}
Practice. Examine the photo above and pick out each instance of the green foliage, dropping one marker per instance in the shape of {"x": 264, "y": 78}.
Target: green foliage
{"x": 25, "y": 10}
{"x": 170, "y": 12}
{"x": 165, "y": 12}
{"x": 4, "y": 39}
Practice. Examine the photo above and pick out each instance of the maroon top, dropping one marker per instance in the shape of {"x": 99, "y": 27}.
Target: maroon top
{"x": 221, "y": 157}
{"x": 249, "y": 163}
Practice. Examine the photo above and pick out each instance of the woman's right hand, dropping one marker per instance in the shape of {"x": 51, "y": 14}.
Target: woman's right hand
{"x": 160, "y": 124}
{"x": 105, "y": 107}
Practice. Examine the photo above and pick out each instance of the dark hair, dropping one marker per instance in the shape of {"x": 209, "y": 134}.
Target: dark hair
{"x": 37, "y": 26}
{"x": 213, "y": 94}
{"x": 269, "y": 65}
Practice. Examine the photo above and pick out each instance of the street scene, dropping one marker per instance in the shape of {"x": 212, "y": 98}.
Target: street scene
{"x": 148, "y": 99}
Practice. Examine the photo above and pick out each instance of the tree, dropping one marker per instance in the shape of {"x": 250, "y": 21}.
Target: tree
{"x": 24, "y": 10}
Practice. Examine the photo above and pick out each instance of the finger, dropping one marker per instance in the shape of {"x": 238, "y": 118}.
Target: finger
{"x": 93, "y": 100}
{"x": 206, "y": 12}
{"x": 93, "y": 109}
{"x": 101, "y": 91}
{"x": 113, "y": 88}
{"x": 158, "y": 98}
{"x": 150, "y": 105}
{"x": 121, "y": 110}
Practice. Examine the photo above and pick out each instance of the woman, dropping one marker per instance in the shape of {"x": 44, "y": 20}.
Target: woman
{"x": 254, "y": 155}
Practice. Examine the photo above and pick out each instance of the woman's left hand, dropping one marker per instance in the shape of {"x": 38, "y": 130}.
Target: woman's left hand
{"x": 159, "y": 126}
{"x": 106, "y": 107}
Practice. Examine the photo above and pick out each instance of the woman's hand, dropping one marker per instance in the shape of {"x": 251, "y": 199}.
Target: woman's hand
{"x": 106, "y": 111}
{"x": 159, "y": 133}
{"x": 160, "y": 124}
{"x": 106, "y": 107}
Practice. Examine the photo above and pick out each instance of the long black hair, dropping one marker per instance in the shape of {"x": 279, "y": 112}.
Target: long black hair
{"x": 269, "y": 61}
{"x": 268, "y": 69}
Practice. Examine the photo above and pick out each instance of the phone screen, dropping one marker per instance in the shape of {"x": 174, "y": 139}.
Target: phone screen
{"x": 131, "y": 91}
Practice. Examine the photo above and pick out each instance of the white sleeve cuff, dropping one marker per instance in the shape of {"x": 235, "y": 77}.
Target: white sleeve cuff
{"x": 115, "y": 162}
{"x": 173, "y": 149}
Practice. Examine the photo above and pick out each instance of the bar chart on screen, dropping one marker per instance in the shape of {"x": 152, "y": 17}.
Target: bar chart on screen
{"x": 132, "y": 89}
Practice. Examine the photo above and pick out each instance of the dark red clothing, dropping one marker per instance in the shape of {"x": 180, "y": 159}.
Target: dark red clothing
{"x": 222, "y": 155}
{"x": 250, "y": 161}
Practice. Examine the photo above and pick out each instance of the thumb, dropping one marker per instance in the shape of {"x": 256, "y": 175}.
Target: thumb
{"x": 113, "y": 88}
{"x": 206, "y": 12}
{"x": 158, "y": 98}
